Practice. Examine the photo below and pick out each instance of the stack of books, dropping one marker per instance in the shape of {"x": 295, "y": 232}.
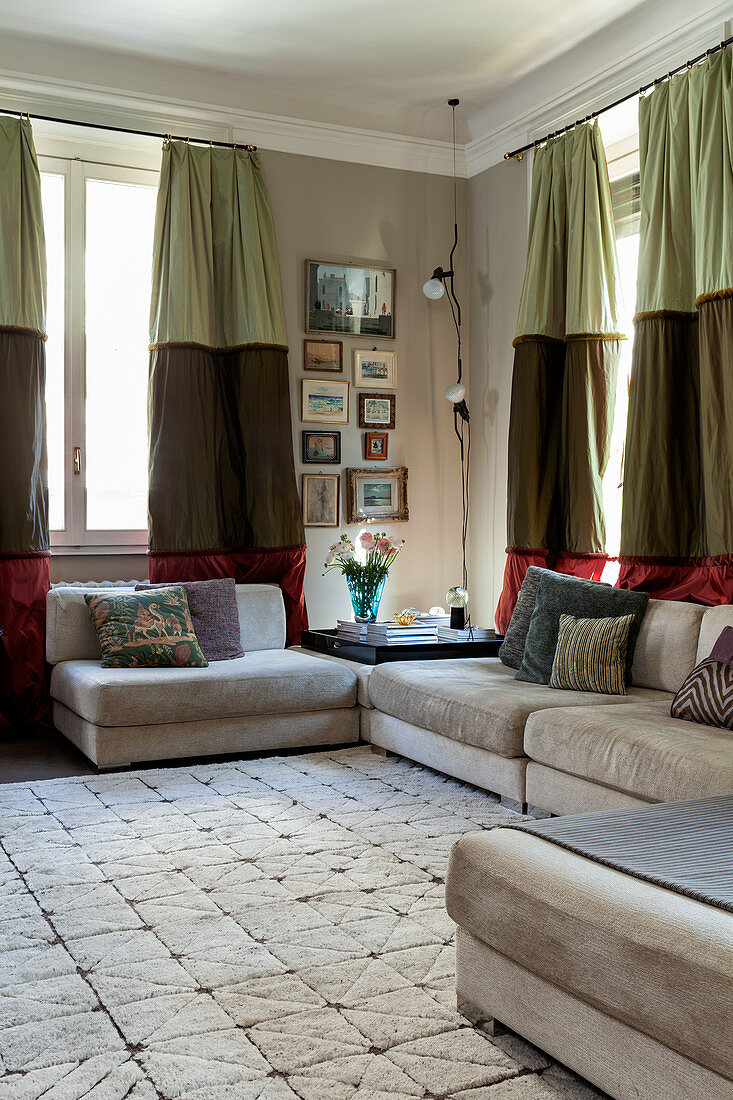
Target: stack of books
{"x": 351, "y": 632}
{"x": 433, "y": 620}
{"x": 470, "y": 634}
{"x": 393, "y": 634}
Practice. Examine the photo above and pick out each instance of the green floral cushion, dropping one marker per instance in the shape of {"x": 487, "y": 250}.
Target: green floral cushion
{"x": 145, "y": 630}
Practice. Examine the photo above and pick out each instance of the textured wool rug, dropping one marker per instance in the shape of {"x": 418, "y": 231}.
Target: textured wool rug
{"x": 268, "y": 929}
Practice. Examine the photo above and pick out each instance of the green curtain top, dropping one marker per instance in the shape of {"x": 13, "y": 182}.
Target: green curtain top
{"x": 686, "y": 161}
{"x": 22, "y": 241}
{"x": 216, "y": 279}
{"x": 571, "y": 282}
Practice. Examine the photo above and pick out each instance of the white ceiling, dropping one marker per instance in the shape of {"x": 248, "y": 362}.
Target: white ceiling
{"x": 386, "y": 65}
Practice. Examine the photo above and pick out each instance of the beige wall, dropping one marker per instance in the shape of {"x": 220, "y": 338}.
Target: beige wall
{"x": 498, "y": 219}
{"x": 325, "y": 209}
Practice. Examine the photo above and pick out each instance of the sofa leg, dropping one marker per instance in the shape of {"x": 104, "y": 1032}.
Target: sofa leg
{"x": 475, "y": 1016}
{"x": 512, "y": 804}
{"x": 379, "y": 751}
{"x": 102, "y": 768}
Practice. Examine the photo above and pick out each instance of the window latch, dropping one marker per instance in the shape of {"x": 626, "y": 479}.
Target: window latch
{"x": 77, "y": 460}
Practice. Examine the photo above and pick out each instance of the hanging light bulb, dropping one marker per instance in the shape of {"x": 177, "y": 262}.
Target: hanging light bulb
{"x": 456, "y": 392}
{"x": 433, "y": 289}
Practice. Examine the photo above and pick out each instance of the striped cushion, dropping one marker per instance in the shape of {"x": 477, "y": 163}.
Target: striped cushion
{"x": 706, "y": 696}
{"x": 591, "y": 654}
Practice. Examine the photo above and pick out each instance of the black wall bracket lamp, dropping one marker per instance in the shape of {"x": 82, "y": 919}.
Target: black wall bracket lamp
{"x": 442, "y": 283}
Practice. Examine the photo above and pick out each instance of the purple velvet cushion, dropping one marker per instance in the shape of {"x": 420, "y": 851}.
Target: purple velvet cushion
{"x": 723, "y": 648}
{"x": 213, "y": 607}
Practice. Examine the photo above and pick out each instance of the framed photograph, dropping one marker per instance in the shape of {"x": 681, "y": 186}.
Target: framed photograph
{"x": 350, "y": 299}
{"x": 324, "y": 402}
{"x": 323, "y": 355}
{"x": 375, "y": 445}
{"x": 376, "y": 495}
{"x": 321, "y": 447}
{"x": 375, "y": 370}
{"x": 377, "y": 410}
{"x": 321, "y": 500}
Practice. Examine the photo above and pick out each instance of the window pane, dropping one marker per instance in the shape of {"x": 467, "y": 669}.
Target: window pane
{"x": 52, "y": 195}
{"x": 119, "y": 245}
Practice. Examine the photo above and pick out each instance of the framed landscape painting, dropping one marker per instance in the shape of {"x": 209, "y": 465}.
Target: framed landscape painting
{"x": 322, "y": 447}
{"x": 320, "y": 500}
{"x": 376, "y": 495}
{"x": 349, "y": 299}
{"x": 377, "y": 410}
{"x": 375, "y": 370}
{"x": 323, "y": 355}
{"x": 324, "y": 402}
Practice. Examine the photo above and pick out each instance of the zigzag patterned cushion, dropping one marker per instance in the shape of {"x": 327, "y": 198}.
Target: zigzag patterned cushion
{"x": 706, "y": 697}
{"x": 591, "y": 654}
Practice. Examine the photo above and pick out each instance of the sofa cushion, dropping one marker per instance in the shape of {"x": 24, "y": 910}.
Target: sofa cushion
{"x": 659, "y": 962}
{"x": 512, "y": 648}
{"x": 591, "y": 654}
{"x": 666, "y": 649}
{"x": 712, "y": 623}
{"x": 145, "y": 630}
{"x": 213, "y": 607}
{"x": 584, "y": 599}
{"x": 706, "y": 697}
{"x": 638, "y": 749}
{"x": 70, "y": 635}
{"x": 268, "y": 682}
{"x": 475, "y": 701}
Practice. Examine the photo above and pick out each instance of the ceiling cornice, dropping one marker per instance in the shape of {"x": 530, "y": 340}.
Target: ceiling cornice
{"x": 610, "y": 74}
{"x": 116, "y": 107}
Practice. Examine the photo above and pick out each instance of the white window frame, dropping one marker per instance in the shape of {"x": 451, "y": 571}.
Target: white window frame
{"x": 75, "y": 537}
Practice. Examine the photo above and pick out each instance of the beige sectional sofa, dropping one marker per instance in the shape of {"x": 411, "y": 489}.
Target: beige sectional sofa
{"x": 563, "y": 751}
{"x": 272, "y": 698}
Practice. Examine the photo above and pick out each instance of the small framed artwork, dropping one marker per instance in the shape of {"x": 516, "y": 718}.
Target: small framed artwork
{"x": 376, "y": 495}
{"x": 375, "y": 370}
{"x": 324, "y": 355}
{"x": 321, "y": 447}
{"x": 377, "y": 410}
{"x": 349, "y": 299}
{"x": 324, "y": 402}
{"x": 320, "y": 500}
{"x": 375, "y": 445}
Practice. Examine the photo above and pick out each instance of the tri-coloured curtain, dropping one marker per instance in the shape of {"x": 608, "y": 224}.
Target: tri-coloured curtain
{"x": 223, "y": 498}
{"x": 677, "y": 518}
{"x": 23, "y": 464}
{"x": 566, "y": 356}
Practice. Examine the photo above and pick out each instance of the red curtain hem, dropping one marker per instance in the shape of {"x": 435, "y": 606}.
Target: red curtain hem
{"x": 699, "y": 580}
{"x": 281, "y": 565}
{"x": 588, "y": 566}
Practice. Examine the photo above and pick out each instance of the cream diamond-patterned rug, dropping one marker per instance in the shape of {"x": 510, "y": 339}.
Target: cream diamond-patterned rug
{"x": 268, "y": 929}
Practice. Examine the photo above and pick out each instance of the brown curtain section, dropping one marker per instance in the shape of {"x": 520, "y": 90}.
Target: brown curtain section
{"x": 221, "y": 460}
{"x": 677, "y": 521}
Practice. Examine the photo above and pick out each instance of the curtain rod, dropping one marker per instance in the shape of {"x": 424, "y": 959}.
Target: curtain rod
{"x": 518, "y": 154}
{"x": 129, "y": 130}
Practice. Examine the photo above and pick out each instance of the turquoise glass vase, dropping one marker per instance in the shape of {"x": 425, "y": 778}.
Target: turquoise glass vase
{"x": 365, "y": 590}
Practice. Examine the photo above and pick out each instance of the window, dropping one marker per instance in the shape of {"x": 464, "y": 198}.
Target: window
{"x": 99, "y": 236}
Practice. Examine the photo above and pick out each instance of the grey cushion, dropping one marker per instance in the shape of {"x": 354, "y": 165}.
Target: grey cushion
{"x": 268, "y": 682}
{"x": 474, "y": 701}
{"x": 667, "y": 644}
{"x": 655, "y": 960}
{"x": 511, "y": 652}
{"x": 584, "y": 600}
{"x": 638, "y": 749}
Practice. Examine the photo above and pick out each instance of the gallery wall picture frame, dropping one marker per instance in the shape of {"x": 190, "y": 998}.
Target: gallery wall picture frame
{"x": 324, "y": 401}
{"x": 376, "y": 446}
{"x": 377, "y": 410}
{"x": 321, "y": 447}
{"x": 350, "y": 299}
{"x": 323, "y": 355}
{"x": 376, "y": 495}
{"x": 375, "y": 369}
{"x": 321, "y": 498}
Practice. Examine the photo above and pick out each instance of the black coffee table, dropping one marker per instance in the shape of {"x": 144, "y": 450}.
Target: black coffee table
{"x": 328, "y": 641}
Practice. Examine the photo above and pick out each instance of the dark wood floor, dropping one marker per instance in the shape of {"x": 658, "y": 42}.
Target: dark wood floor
{"x": 31, "y": 758}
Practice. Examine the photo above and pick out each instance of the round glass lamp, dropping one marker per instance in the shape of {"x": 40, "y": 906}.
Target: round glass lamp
{"x": 456, "y": 392}
{"x": 457, "y": 599}
{"x": 433, "y": 288}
